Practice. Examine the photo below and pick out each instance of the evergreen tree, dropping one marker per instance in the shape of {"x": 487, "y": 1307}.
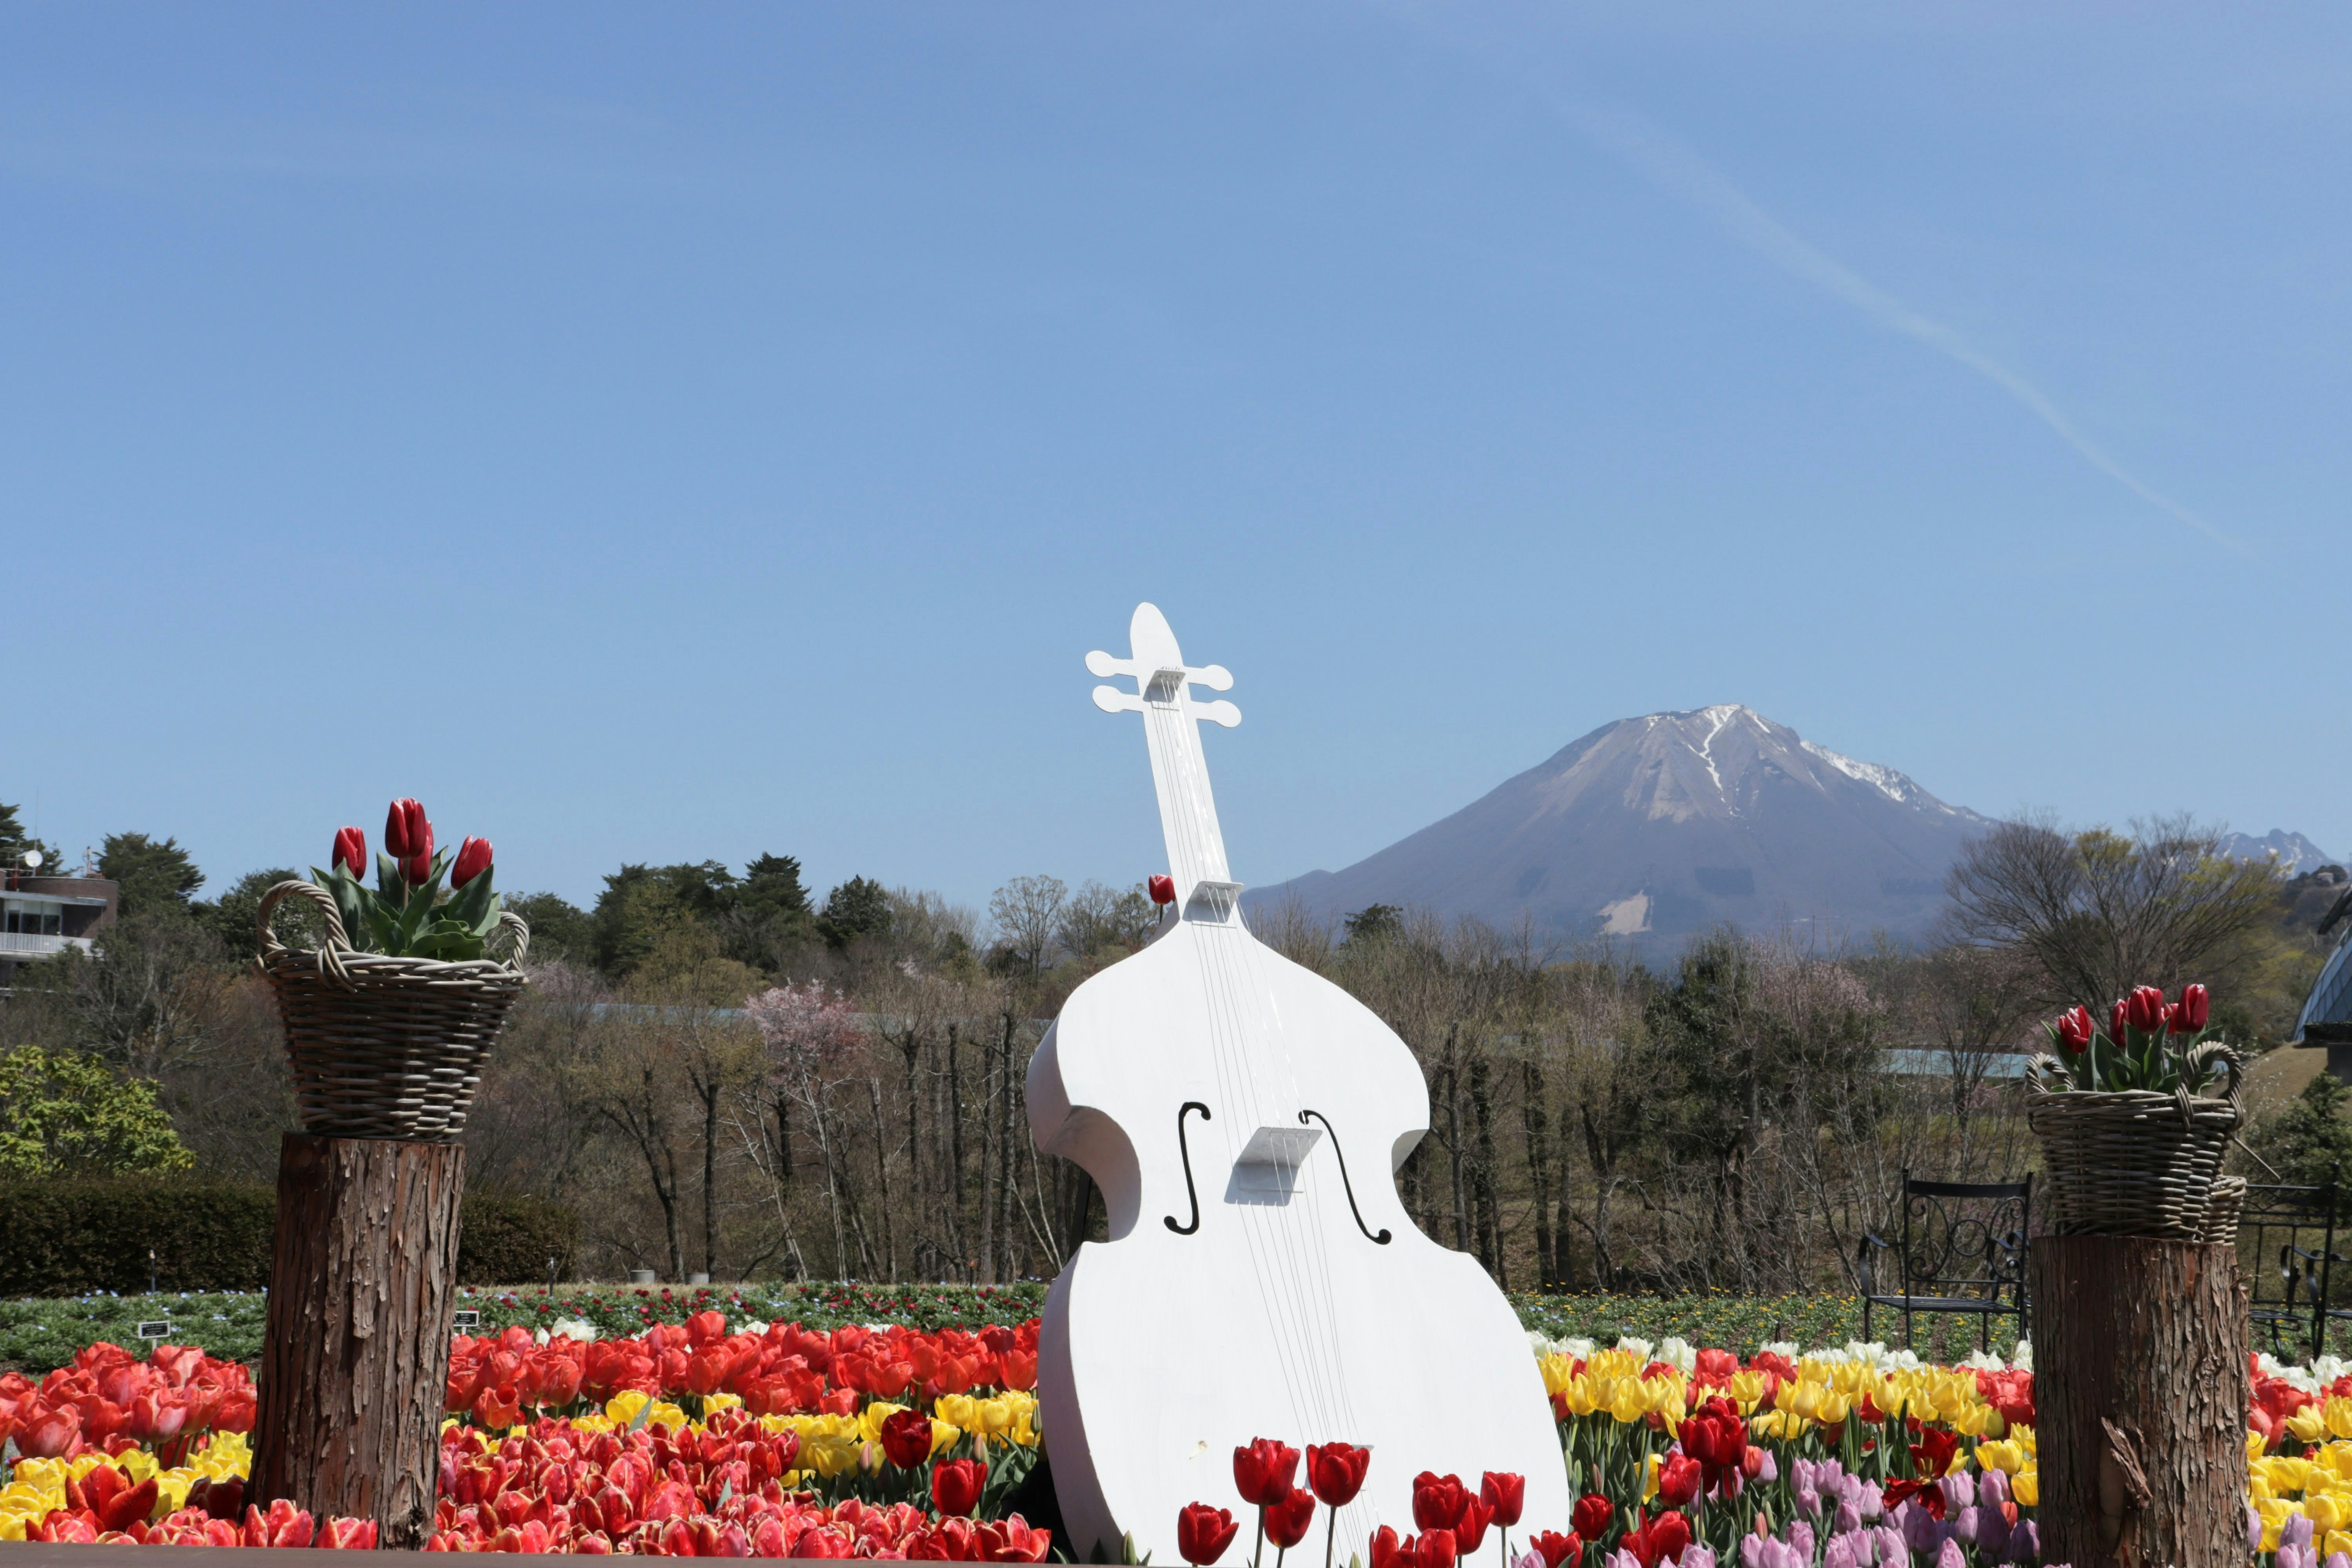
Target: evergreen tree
{"x": 156, "y": 877}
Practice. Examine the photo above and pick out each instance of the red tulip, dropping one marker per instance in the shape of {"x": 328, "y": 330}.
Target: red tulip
{"x": 1435, "y": 1549}
{"x": 1286, "y": 1522}
{"x": 1388, "y": 1551}
{"x": 1163, "y": 890}
{"x": 1558, "y": 1549}
{"x": 1665, "y": 1536}
{"x": 1437, "y": 1501}
{"x": 956, "y": 1485}
{"x": 1505, "y": 1495}
{"x": 473, "y": 859}
{"x": 50, "y": 1434}
{"x": 1263, "y": 1472}
{"x": 2195, "y": 1007}
{"x": 906, "y": 1438}
{"x": 405, "y": 831}
{"x": 350, "y": 1534}
{"x": 1470, "y": 1528}
{"x": 2144, "y": 1009}
{"x": 500, "y": 1407}
{"x": 1679, "y": 1477}
{"x": 1336, "y": 1471}
{"x": 2117, "y": 1016}
{"x": 1202, "y": 1534}
{"x": 1594, "y": 1516}
{"x": 351, "y": 851}
{"x": 2074, "y": 1029}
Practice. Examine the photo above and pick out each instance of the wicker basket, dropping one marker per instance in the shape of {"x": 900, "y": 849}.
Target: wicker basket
{"x": 385, "y": 1048}
{"x": 2135, "y": 1162}
{"x": 2222, "y": 1210}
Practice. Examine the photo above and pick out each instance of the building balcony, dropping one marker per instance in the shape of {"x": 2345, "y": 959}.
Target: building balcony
{"x": 19, "y": 945}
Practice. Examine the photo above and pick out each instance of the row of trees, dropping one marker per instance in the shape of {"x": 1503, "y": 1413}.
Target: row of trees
{"x": 720, "y": 1073}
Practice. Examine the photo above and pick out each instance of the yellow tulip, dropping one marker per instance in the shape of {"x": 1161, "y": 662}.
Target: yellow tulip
{"x": 957, "y": 1410}
{"x": 1747, "y": 1391}
{"x": 2308, "y": 1425}
{"x": 2325, "y": 1510}
{"x": 1995, "y": 1454}
{"x": 870, "y": 1419}
{"x": 1649, "y": 1477}
{"x": 2026, "y": 1488}
{"x": 2339, "y": 1416}
{"x": 2337, "y": 1541}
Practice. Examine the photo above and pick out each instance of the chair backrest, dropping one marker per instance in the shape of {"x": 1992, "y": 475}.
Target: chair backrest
{"x": 1965, "y": 1238}
{"x": 2287, "y": 1242}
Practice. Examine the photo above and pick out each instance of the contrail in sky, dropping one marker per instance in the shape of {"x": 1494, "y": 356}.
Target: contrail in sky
{"x": 1686, "y": 174}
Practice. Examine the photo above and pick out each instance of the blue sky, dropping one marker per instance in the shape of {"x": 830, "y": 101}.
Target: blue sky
{"x": 657, "y": 435}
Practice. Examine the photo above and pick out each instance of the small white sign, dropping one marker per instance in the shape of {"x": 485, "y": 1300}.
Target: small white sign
{"x": 155, "y": 1330}
{"x": 465, "y": 1321}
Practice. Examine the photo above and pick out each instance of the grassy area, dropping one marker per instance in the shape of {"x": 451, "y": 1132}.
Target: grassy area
{"x": 36, "y": 1334}
{"x": 1748, "y": 1323}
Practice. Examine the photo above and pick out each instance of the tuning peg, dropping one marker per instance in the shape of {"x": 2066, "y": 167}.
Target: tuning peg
{"x": 1111, "y": 700}
{"x": 1223, "y": 713}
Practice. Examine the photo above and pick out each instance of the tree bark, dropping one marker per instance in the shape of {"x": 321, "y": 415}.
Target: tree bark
{"x": 2140, "y": 1391}
{"x": 357, "y": 1355}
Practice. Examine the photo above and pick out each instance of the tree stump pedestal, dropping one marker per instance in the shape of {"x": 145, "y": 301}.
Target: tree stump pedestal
{"x": 2140, "y": 1391}
{"x": 357, "y": 1354}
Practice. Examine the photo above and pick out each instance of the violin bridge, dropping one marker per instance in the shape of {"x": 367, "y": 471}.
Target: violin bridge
{"x": 1213, "y": 903}
{"x": 1267, "y": 1169}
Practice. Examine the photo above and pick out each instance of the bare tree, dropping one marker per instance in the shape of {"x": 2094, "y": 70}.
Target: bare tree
{"x": 1027, "y": 915}
{"x": 2099, "y": 912}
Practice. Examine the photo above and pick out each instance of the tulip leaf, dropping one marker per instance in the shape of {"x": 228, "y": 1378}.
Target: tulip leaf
{"x": 471, "y": 905}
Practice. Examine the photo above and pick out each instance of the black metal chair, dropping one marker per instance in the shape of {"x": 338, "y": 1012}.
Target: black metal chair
{"x": 1962, "y": 1250}
{"x": 2289, "y": 1297}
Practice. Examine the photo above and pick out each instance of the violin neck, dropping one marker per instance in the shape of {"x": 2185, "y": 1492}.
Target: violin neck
{"x": 1179, "y": 775}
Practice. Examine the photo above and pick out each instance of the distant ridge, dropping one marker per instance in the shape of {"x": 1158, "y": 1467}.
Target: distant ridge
{"x": 1653, "y": 829}
{"x": 2295, "y": 853}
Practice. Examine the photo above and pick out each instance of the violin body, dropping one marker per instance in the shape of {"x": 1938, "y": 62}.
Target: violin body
{"x": 1243, "y": 1119}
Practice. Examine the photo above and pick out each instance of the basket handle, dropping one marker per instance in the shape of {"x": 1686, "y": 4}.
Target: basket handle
{"x": 2043, "y": 1070}
{"x": 517, "y": 930}
{"x": 2201, "y": 1065}
{"x": 330, "y": 952}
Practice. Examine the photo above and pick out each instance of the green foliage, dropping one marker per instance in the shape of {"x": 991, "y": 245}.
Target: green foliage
{"x": 44, "y": 1332}
{"x": 641, "y": 904}
{"x": 15, "y": 841}
{"x": 504, "y": 1239}
{"x": 418, "y": 922}
{"x": 1375, "y": 924}
{"x": 60, "y": 1236}
{"x": 2308, "y": 1142}
{"x": 772, "y": 889}
{"x": 62, "y": 1113}
{"x": 559, "y": 927}
{"x": 153, "y": 875}
{"x": 231, "y": 915}
{"x": 1721, "y": 1320}
{"x": 859, "y": 908}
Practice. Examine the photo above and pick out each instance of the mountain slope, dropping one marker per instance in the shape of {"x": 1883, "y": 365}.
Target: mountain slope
{"x": 1652, "y": 829}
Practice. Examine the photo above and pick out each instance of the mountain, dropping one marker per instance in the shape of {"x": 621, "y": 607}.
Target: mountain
{"x": 2295, "y": 853}
{"x": 1653, "y": 829}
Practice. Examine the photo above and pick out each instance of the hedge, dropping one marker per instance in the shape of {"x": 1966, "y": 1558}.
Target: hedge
{"x": 62, "y": 1238}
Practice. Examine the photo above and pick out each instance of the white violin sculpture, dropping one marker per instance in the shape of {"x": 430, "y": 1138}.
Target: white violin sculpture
{"x": 1243, "y": 1119}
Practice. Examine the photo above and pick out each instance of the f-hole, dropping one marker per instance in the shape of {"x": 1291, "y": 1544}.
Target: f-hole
{"x": 1382, "y": 1239}
{"x": 1185, "y": 1151}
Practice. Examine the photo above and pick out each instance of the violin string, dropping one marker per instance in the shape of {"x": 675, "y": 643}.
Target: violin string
{"x": 1271, "y": 1249}
{"x": 1294, "y": 1273}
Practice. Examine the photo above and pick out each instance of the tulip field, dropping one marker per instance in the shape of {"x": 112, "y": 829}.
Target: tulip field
{"x": 720, "y": 1436}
